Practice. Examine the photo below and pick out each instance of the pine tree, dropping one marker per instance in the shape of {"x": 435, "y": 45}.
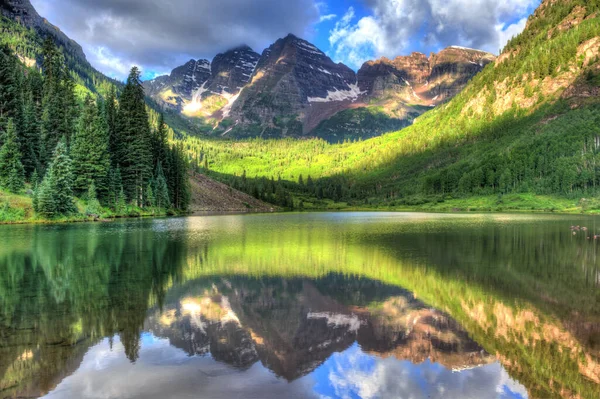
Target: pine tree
{"x": 110, "y": 115}
{"x": 134, "y": 154}
{"x": 11, "y": 169}
{"x": 93, "y": 205}
{"x": 59, "y": 103}
{"x": 115, "y": 187}
{"x": 10, "y": 90}
{"x": 35, "y": 183}
{"x": 161, "y": 145}
{"x": 91, "y": 160}
{"x": 150, "y": 200}
{"x": 30, "y": 137}
{"x": 55, "y": 195}
{"x": 162, "y": 191}
{"x": 121, "y": 207}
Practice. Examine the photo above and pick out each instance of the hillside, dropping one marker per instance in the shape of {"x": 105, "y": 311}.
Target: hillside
{"x": 295, "y": 90}
{"x": 209, "y": 195}
{"x": 529, "y": 123}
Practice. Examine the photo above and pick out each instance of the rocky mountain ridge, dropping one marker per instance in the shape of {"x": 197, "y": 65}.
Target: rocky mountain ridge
{"x": 202, "y": 88}
{"x": 295, "y": 89}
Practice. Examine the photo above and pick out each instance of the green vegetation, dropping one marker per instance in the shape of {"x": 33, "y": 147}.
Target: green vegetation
{"x": 111, "y": 150}
{"x": 494, "y": 138}
{"x": 359, "y": 124}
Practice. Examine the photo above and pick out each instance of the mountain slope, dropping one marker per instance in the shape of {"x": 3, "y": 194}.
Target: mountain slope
{"x": 528, "y": 124}
{"x": 203, "y": 89}
{"x": 296, "y": 90}
{"x": 396, "y": 92}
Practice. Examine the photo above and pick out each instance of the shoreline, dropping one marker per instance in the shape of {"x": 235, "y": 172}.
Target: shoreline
{"x": 262, "y": 212}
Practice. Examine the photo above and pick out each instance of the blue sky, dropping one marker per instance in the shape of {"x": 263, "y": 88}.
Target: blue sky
{"x": 158, "y": 35}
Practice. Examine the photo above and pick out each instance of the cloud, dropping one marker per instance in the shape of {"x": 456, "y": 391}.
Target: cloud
{"x": 355, "y": 374}
{"x": 159, "y": 35}
{"x": 394, "y": 27}
{"x": 327, "y": 17}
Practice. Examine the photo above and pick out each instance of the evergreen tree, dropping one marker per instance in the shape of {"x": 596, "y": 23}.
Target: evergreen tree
{"x": 134, "y": 154}
{"x": 161, "y": 145}
{"x": 11, "y": 168}
{"x": 58, "y": 103}
{"x": 55, "y": 195}
{"x": 91, "y": 160}
{"x": 110, "y": 115}
{"x": 93, "y": 205}
{"x": 35, "y": 182}
{"x": 162, "y": 192}
{"x": 10, "y": 90}
{"x": 150, "y": 200}
{"x": 115, "y": 187}
{"x": 121, "y": 207}
{"x": 30, "y": 137}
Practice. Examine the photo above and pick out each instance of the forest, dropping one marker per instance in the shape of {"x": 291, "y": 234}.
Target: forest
{"x": 78, "y": 153}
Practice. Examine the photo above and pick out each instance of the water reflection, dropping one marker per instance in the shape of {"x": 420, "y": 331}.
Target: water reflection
{"x": 327, "y": 305}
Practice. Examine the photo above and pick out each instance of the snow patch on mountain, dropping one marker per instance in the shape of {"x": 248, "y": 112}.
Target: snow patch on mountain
{"x": 352, "y": 323}
{"x": 352, "y": 94}
{"x": 196, "y": 104}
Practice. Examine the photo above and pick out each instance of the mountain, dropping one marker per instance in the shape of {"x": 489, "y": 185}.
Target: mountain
{"x": 239, "y": 322}
{"x": 418, "y": 79}
{"x": 294, "y": 89}
{"x": 396, "y": 92}
{"x": 202, "y": 88}
{"x": 522, "y": 134}
{"x": 173, "y": 90}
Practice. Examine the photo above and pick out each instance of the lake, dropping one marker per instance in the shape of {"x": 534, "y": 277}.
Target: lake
{"x": 312, "y": 305}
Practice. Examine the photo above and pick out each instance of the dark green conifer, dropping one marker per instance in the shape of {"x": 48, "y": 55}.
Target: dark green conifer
{"x": 162, "y": 192}
{"x": 11, "y": 169}
{"x": 89, "y": 152}
{"x": 93, "y": 205}
{"x": 55, "y": 195}
{"x": 134, "y": 154}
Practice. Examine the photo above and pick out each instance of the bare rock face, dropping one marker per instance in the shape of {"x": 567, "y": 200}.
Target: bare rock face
{"x": 203, "y": 88}
{"x": 294, "y": 89}
{"x": 180, "y": 85}
{"x": 293, "y": 82}
{"x": 23, "y": 12}
{"x": 418, "y": 79}
{"x": 232, "y": 70}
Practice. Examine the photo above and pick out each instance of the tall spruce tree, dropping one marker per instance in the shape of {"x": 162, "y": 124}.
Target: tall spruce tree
{"x": 110, "y": 115}
{"x": 161, "y": 192}
{"x": 11, "y": 169}
{"x": 59, "y": 104}
{"x": 55, "y": 196}
{"x": 10, "y": 89}
{"x": 89, "y": 152}
{"x": 134, "y": 154}
{"x": 30, "y": 137}
{"x": 93, "y": 205}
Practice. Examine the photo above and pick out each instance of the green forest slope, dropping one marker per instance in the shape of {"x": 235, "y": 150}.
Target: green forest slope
{"x": 527, "y": 126}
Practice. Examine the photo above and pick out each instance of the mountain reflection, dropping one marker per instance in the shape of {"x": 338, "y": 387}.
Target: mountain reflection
{"x": 331, "y": 305}
{"x": 293, "y": 326}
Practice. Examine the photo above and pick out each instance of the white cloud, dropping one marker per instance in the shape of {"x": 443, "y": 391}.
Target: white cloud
{"x": 159, "y": 35}
{"x": 395, "y": 27}
{"x": 327, "y": 17}
{"x": 505, "y": 33}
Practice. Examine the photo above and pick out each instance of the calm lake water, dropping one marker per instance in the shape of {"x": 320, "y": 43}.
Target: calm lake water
{"x": 329, "y": 305}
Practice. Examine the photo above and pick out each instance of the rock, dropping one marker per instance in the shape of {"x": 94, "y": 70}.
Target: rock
{"x": 294, "y": 89}
{"x": 201, "y": 88}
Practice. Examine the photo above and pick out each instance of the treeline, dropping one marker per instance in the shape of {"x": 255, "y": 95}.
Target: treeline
{"x": 100, "y": 148}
